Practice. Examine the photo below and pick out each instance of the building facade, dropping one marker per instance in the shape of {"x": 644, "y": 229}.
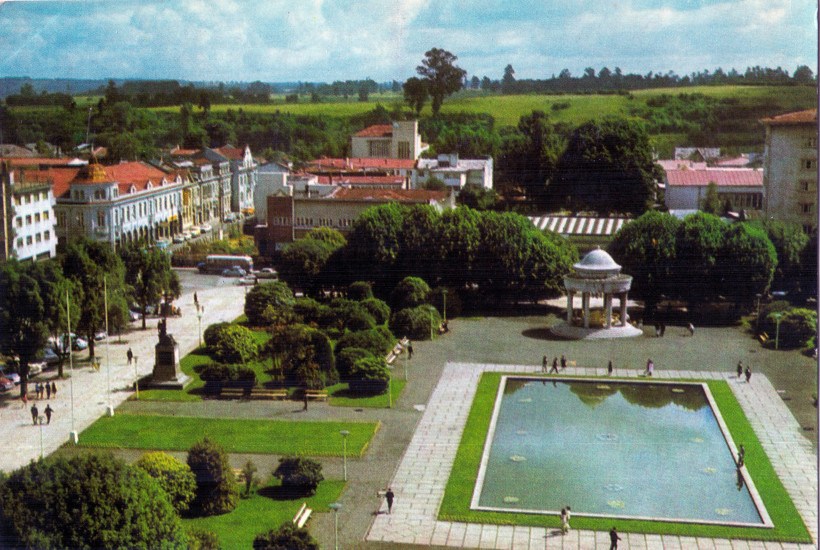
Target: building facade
{"x": 741, "y": 188}
{"x": 455, "y": 172}
{"x": 27, "y": 215}
{"x": 399, "y": 140}
{"x": 790, "y": 168}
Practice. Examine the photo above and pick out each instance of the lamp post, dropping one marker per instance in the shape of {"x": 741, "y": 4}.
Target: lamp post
{"x": 73, "y": 434}
{"x": 335, "y": 506}
{"x": 107, "y": 350}
{"x": 40, "y": 420}
{"x": 757, "y": 319}
{"x": 431, "y": 323}
{"x": 777, "y": 317}
{"x": 344, "y": 434}
{"x": 406, "y": 355}
{"x": 444, "y": 297}
{"x": 136, "y": 377}
{"x": 199, "y": 309}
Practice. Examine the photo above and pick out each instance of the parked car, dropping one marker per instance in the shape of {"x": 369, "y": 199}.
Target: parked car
{"x": 194, "y": 230}
{"x": 162, "y": 244}
{"x": 6, "y": 384}
{"x": 134, "y": 316}
{"x": 35, "y": 368}
{"x": 266, "y": 273}
{"x": 179, "y": 239}
{"x": 229, "y": 217}
{"x": 49, "y": 355}
{"x": 77, "y": 343}
{"x": 234, "y": 271}
{"x": 5, "y": 372}
{"x": 205, "y": 227}
{"x": 100, "y": 335}
{"x": 247, "y": 280}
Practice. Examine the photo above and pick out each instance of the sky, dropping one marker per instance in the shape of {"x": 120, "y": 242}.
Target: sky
{"x": 327, "y": 40}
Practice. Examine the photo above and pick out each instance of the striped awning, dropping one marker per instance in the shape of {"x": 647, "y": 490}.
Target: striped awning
{"x": 571, "y": 226}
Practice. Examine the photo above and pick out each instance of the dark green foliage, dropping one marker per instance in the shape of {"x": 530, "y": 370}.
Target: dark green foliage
{"x": 377, "y": 341}
{"x": 748, "y": 260}
{"x": 88, "y": 501}
{"x": 434, "y": 184}
{"x": 200, "y": 539}
{"x": 148, "y": 271}
{"x": 248, "y": 471}
{"x": 373, "y": 246}
{"x": 477, "y": 197}
{"x": 211, "y": 334}
{"x": 453, "y": 301}
{"x": 351, "y": 315}
{"x": 232, "y": 343}
{"x": 529, "y": 154}
{"x": 303, "y": 350}
{"x": 311, "y": 312}
{"x": 346, "y": 358}
{"x": 808, "y": 267}
{"x": 417, "y": 323}
{"x": 276, "y": 294}
{"x": 175, "y": 477}
{"x": 286, "y": 537}
{"x": 328, "y": 235}
{"x": 360, "y": 290}
{"x": 410, "y": 292}
{"x": 378, "y": 309}
{"x": 299, "y": 475}
{"x": 302, "y": 263}
{"x": 797, "y": 327}
{"x": 442, "y": 75}
{"x": 789, "y": 242}
{"x": 416, "y": 93}
{"x": 216, "y": 491}
{"x": 369, "y": 375}
{"x": 458, "y": 246}
{"x": 218, "y": 372}
{"x": 711, "y": 202}
{"x": 698, "y": 243}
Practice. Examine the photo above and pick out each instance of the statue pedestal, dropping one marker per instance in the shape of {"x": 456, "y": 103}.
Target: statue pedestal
{"x": 166, "y": 366}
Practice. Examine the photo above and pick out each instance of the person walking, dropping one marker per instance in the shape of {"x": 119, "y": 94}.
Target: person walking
{"x": 196, "y": 300}
{"x": 130, "y": 355}
{"x": 389, "y": 496}
{"x": 48, "y": 390}
{"x": 609, "y": 368}
{"x": 748, "y": 373}
{"x": 48, "y": 412}
{"x": 54, "y": 389}
{"x": 554, "y": 365}
{"x": 691, "y": 329}
{"x": 544, "y": 365}
{"x": 34, "y": 413}
{"x": 613, "y": 539}
{"x": 564, "y": 521}
{"x": 739, "y": 369}
{"x": 650, "y": 367}
{"x": 563, "y": 362}
{"x": 663, "y": 329}
{"x": 409, "y": 350}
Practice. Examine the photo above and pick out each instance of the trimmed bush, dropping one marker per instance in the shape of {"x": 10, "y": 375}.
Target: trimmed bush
{"x": 276, "y": 294}
{"x": 298, "y": 345}
{"x": 410, "y": 292}
{"x": 232, "y": 343}
{"x": 174, "y": 476}
{"x": 299, "y": 475}
{"x": 378, "y": 341}
{"x": 310, "y": 311}
{"x": 218, "y": 372}
{"x": 797, "y": 327}
{"x": 352, "y": 315}
{"x": 378, "y": 309}
{"x": 211, "y": 333}
{"x": 287, "y": 537}
{"x": 369, "y": 375}
{"x": 416, "y": 323}
{"x": 360, "y": 290}
{"x": 88, "y": 501}
{"x": 215, "y": 483}
{"x": 200, "y": 539}
{"x": 346, "y": 358}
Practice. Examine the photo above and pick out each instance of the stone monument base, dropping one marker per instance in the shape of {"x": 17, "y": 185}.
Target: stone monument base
{"x": 178, "y": 383}
{"x": 571, "y": 332}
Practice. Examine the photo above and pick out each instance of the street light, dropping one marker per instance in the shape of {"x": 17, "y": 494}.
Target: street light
{"x": 40, "y": 419}
{"x": 344, "y": 434}
{"x": 107, "y": 350}
{"x": 444, "y": 297}
{"x": 136, "y": 377}
{"x": 389, "y": 390}
{"x": 199, "y": 318}
{"x": 431, "y": 323}
{"x": 73, "y": 434}
{"x": 335, "y": 506}
{"x": 777, "y": 317}
{"x": 406, "y": 355}
{"x": 757, "y": 319}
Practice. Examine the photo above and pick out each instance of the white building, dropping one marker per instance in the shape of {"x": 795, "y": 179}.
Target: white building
{"x": 400, "y": 140}
{"x": 455, "y": 172}
{"x": 740, "y": 187}
{"x": 27, "y": 215}
{"x": 243, "y": 175}
{"x": 790, "y": 168}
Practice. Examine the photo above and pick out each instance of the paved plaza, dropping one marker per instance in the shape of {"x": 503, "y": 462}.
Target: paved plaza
{"x": 421, "y": 478}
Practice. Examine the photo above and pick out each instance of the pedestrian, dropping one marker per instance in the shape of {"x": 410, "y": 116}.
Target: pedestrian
{"x": 34, "y": 413}
{"x": 389, "y": 496}
{"x": 563, "y": 362}
{"x": 49, "y": 410}
{"x": 564, "y": 521}
{"x": 409, "y": 350}
{"x": 609, "y": 368}
{"x": 54, "y": 389}
{"x": 305, "y": 397}
{"x": 741, "y": 456}
{"x": 657, "y": 330}
{"x": 650, "y": 367}
{"x": 130, "y": 355}
{"x": 48, "y": 391}
{"x": 691, "y": 329}
{"x": 663, "y": 329}
{"x": 37, "y": 390}
{"x": 748, "y": 373}
{"x": 739, "y": 369}
{"x": 544, "y": 365}
{"x": 196, "y": 300}
{"x": 554, "y": 365}
{"x": 613, "y": 539}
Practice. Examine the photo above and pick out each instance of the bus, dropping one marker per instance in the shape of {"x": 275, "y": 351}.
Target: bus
{"x": 217, "y": 263}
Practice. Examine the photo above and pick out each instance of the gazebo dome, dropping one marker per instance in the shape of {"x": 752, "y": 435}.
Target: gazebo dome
{"x": 597, "y": 265}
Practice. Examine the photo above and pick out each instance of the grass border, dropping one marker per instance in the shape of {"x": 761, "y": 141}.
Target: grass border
{"x": 788, "y": 524}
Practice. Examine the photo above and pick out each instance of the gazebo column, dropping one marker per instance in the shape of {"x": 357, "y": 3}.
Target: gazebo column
{"x": 585, "y": 300}
{"x": 570, "y": 294}
{"x": 608, "y": 306}
{"x": 624, "y": 297}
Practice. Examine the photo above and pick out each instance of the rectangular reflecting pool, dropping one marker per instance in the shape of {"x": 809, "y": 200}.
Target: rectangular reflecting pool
{"x": 613, "y": 449}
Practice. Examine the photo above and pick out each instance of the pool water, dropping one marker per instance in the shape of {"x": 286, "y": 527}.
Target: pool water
{"x": 618, "y": 449}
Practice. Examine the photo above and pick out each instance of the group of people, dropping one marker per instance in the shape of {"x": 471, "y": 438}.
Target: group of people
{"x": 35, "y": 413}
{"x": 554, "y": 368}
{"x": 566, "y": 512}
{"x": 741, "y": 371}
{"x": 44, "y": 390}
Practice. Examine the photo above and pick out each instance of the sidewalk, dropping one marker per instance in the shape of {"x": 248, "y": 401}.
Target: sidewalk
{"x": 90, "y": 389}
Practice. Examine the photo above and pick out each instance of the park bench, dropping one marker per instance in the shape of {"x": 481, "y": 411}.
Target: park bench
{"x": 232, "y": 393}
{"x": 268, "y": 394}
{"x": 390, "y": 358}
{"x": 316, "y": 394}
{"x": 763, "y": 337}
{"x": 301, "y": 517}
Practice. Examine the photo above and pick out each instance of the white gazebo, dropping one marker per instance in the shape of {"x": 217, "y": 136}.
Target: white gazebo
{"x": 597, "y": 275}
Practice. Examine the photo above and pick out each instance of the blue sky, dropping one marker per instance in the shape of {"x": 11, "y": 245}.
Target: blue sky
{"x": 326, "y": 40}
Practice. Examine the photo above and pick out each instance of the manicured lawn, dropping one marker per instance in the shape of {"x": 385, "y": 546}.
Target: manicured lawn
{"x": 456, "y": 504}
{"x": 341, "y": 397}
{"x": 262, "y": 511}
{"x": 179, "y": 433}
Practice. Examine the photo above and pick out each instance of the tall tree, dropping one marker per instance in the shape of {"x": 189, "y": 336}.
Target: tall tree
{"x": 529, "y": 155}
{"x": 416, "y": 93}
{"x": 508, "y": 79}
{"x": 149, "y": 273}
{"x": 443, "y": 76}
{"x": 748, "y": 260}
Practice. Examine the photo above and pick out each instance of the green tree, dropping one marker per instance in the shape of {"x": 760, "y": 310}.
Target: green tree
{"x": 373, "y": 246}
{"x": 377, "y": 341}
{"x": 508, "y": 79}
{"x": 331, "y": 236}
{"x": 747, "y": 262}
{"x": 458, "y": 246}
{"x": 299, "y": 475}
{"x": 346, "y": 358}
{"x": 410, "y": 292}
{"x": 529, "y": 155}
{"x": 360, "y": 290}
{"x": 711, "y": 202}
{"x": 789, "y": 242}
{"x": 417, "y": 323}
{"x": 477, "y": 197}
{"x": 378, "y": 309}
{"x": 434, "y": 184}
{"x": 416, "y": 93}
{"x": 606, "y": 167}
{"x": 304, "y": 354}
{"x": 369, "y": 375}
{"x": 248, "y": 471}
{"x": 443, "y": 76}
{"x": 233, "y": 343}
{"x": 88, "y": 501}
{"x": 149, "y": 273}
{"x": 698, "y": 243}
{"x": 215, "y": 484}
{"x": 276, "y": 294}
{"x": 174, "y": 476}
{"x": 286, "y": 537}
{"x": 302, "y": 264}
{"x": 797, "y": 327}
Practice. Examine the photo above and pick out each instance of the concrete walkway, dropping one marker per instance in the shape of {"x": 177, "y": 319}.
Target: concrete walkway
{"x": 224, "y": 301}
{"x": 422, "y": 475}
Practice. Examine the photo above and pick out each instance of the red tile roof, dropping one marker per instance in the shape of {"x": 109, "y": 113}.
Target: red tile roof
{"x": 723, "y": 178}
{"x": 377, "y": 130}
{"x": 362, "y": 180}
{"x": 177, "y": 152}
{"x": 386, "y": 195}
{"x": 232, "y": 153}
{"x": 61, "y": 179}
{"x": 359, "y": 164}
{"x": 799, "y": 117}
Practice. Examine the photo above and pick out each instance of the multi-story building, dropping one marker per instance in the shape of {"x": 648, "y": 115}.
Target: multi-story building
{"x": 243, "y": 175}
{"x": 790, "y": 168}
{"x": 27, "y": 215}
{"x": 455, "y": 172}
{"x": 741, "y": 188}
{"x": 400, "y": 140}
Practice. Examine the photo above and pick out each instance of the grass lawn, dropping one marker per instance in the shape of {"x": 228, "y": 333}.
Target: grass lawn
{"x": 236, "y": 435}
{"x": 264, "y": 510}
{"x": 788, "y": 526}
{"x": 339, "y": 396}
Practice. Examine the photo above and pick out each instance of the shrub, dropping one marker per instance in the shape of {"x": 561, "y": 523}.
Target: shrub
{"x": 174, "y": 476}
{"x": 232, "y": 343}
{"x": 346, "y": 358}
{"x": 88, "y": 501}
{"x": 215, "y": 484}
{"x": 299, "y": 475}
{"x": 352, "y": 315}
{"x": 211, "y": 333}
{"x": 454, "y": 304}
{"x": 310, "y": 311}
{"x": 410, "y": 292}
{"x": 416, "y": 322}
{"x": 797, "y": 327}
{"x": 360, "y": 290}
{"x": 287, "y": 537}
{"x": 369, "y": 375}
{"x": 218, "y": 372}
{"x": 299, "y": 345}
{"x": 200, "y": 539}
{"x": 378, "y": 309}
{"x": 276, "y": 294}
{"x": 377, "y": 341}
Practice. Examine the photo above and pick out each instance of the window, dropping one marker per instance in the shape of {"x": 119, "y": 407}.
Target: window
{"x": 28, "y": 219}
{"x": 811, "y": 142}
{"x": 47, "y": 235}
{"x": 37, "y": 217}
{"x": 38, "y": 238}
{"x": 45, "y": 214}
{"x": 806, "y": 207}
{"x": 101, "y": 218}
{"x": 379, "y": 148}
{"x": 29, "y": 240}
{"x": 19, "y": 243}
{"x": 19, "y": 222}
{"x": 404, "y": 149}
{"x": 61, "y": 219}
{"x": 808, "y": 229}
{"x": 17, "y": 201}
{"x": 809, "y": 164}
{"x": 804, "y": 185}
